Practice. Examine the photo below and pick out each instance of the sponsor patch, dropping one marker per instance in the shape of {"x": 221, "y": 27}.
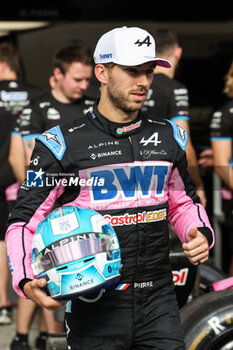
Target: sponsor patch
{"x": 180, "y": 135}
{"x": 133, "y": 219}
{"x": 128, "y": 128}
{"x": 54, "y": 140}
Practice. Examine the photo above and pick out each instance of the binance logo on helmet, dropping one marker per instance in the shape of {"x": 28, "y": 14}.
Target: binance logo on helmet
{"x": 127, "y": 46}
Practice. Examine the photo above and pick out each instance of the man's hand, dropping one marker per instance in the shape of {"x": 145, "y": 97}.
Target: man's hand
{"x": 197, "y": 248}
{"x": 34, "y": 290}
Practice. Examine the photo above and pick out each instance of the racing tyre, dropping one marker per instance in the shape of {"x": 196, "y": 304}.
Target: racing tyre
{"x": 208, "y": 321}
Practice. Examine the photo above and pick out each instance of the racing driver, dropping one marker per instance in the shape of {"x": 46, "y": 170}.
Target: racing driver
{"x": 140, "y": 182}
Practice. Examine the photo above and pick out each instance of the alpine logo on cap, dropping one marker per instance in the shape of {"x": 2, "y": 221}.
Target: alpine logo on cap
{"x": 146, "y": 41}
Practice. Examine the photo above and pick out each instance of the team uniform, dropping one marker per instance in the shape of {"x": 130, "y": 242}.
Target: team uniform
{"x": 131, "y": 174}
{"x": 14, "y": 96}
{"x": 45, "y": 112}
{"x": 167, "y": 98}
{"x": 221, "y": 128}
{"x": 6, "y": 175}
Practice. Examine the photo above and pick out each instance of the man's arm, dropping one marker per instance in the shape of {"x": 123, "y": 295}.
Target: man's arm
{"x": 32, "y": 206}
{"x": 17, "y": 157}
{"x": 30, "y": 126}
{"x": 222, "y": 153}
{"x": 186, "y": 214}
{"x": 28, "y": 144}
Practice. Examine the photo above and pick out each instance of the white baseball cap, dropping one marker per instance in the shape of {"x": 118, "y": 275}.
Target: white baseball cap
{"x": 127, "y": 46}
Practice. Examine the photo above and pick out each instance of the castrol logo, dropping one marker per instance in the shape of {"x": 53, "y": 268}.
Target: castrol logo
{"x": 180, "y": 276}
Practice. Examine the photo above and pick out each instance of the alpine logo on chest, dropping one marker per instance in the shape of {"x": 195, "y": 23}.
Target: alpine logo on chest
{"x": 153, "y": 139}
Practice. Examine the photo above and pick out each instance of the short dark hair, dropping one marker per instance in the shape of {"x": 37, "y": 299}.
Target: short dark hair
{"x": 10, "y": 55}
{"x": 165, "y": 40}
{"x": 74, "y": 52}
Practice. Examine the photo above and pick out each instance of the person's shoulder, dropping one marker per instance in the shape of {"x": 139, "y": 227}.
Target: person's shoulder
{"x": 228, "y": 106}
{"x": 163, "y": 84}
{"x": 222, "y": 119}
{"x": 170, "y": 129}
{"x": 21, "y": 85}
{"x": 179, "y": 134}
{"x": 42, "y": 99}
{"x": 162, "y": 87}
{"x": 86, "y": 100}
{"x": 70, "y": 128}
{"x": 15, "y": 85}
{"x": 27, "y": 85}
{"x": 224, "y": 108}
{"x": 53, "y": 140}
{"x": 180, "y": 86}
{"x": 82, "y": 105}
{"x": 4, "y": 85}
{"x": 156, "y": 123}
{"x": 57, "y": 138}
{"x": 75, "y": 126}
{"x": 88, "y": 97}
{"x": 160, "y": 78}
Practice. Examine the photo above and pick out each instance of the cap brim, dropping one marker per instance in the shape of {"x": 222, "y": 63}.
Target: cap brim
{"x": 158, "y": 61}
{"x": 163, "y": 63}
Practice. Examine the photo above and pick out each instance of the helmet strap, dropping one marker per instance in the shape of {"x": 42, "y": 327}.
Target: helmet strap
{"x": 88, "y": 300}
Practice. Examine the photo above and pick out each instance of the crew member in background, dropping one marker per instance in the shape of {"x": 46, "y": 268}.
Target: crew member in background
{"x": 221, "y": 128}
{"x": 15, "y": 94}
{"x": 168, "y": 98}
{"x": 72, "y": 69}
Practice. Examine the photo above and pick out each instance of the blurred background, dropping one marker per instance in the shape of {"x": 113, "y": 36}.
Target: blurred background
{"x": 204, "y": 28}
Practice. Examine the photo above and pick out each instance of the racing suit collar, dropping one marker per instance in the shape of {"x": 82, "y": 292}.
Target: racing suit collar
{"x": 118, "y": 130}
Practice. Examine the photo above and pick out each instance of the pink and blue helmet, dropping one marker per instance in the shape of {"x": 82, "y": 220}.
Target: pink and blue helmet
{"x": 77, "y": 251}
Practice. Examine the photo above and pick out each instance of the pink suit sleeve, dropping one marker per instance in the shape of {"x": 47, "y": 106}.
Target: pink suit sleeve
{"x": 184, "y": 213}
{"x": 19, "y": 254}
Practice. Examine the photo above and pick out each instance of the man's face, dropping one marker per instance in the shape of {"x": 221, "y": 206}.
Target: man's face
{"x": 127, "y": 86}
{"x": 75, "y": 81}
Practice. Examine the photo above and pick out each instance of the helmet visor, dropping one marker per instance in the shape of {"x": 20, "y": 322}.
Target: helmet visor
{"x": 73, "y": 248}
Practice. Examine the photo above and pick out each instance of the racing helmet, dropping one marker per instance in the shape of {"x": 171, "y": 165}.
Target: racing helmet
{"x": 77, "y": 251}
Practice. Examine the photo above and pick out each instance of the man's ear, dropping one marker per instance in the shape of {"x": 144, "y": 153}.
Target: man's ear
{"x": 178, "y": 52}
{"x": 101, "y": 73}
{"x": 57, "y": 73}
{"x": 3, "y": 66}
